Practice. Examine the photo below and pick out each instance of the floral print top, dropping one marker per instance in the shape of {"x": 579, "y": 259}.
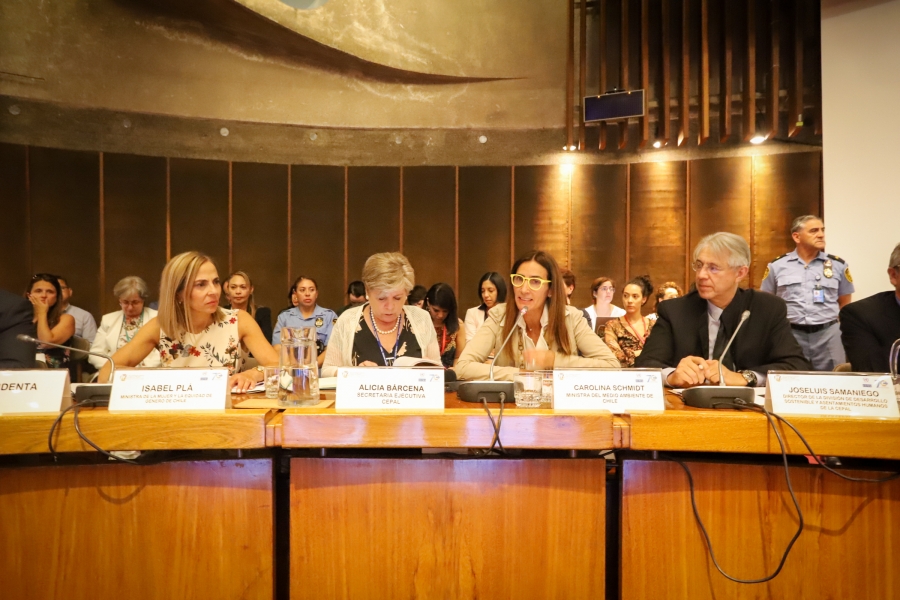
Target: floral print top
{"x": 623, "y": 341}
{"x": 216, "y": 346}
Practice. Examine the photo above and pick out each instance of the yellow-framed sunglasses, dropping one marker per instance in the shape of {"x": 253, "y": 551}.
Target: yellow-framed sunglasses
{"x": 535, "y": 283}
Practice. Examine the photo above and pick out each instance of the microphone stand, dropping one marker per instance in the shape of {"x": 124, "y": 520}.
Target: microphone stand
{"x": 490, "y": 390}
{"x": 713, "y": 396}
{"x": 95, "y": 391}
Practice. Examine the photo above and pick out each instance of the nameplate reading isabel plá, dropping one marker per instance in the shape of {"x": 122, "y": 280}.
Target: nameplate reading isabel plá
{"x": 169, "y": 389}
{"x": 618, "y": 391}
{"x": 395, "y": 388}
{"x": 38, "y": 391}
{"x": 834, "y": 394}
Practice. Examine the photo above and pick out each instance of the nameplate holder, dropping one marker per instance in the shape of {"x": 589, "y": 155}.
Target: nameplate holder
{"x": 389, "y": 389}
{"x": 831, "y": 394}
{"x": 618, "y": 391}
{"x": 169, "y": 389}
{"x": 39, "y": 391}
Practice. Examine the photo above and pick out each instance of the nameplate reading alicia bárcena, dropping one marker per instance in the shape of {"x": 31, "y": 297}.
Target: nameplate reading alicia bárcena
{"x": 389, "y": 388}
{"x": 618, "y": 391}
{"x": 34, "y": 392}
{"x": 169, "y": 389}
{"x": 831, "y": 394}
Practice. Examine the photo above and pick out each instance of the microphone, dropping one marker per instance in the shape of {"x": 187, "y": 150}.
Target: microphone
{"x": 712, "y": 396}
{"x": 95, "y": 391}
{"x": 500, "y": 391}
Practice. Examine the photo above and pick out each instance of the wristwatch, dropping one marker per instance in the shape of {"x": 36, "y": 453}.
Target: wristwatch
{"x": 750, "y": 376}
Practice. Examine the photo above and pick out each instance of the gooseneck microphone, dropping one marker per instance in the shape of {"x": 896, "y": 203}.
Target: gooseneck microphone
{"x": 84, "y": 391}
{"x": 490, "y": 390}
{"x": 711, "y": 396}
{"x": 112, "y": 366}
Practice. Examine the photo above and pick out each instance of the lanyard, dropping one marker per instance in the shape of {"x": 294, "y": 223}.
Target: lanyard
{"x": 443, "y": 339}
{"x": 125, "y": 323}
{"x": 640, "y": 338}
{"x": 378, "y": 340}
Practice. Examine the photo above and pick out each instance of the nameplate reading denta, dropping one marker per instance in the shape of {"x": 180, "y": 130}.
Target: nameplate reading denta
{"x": 618, "y": 391}
{"x": 389, "y": 388}
{"x": 831, "y": 394}
{"x": 169, "y": 389}
{"x": 34, "y": 392}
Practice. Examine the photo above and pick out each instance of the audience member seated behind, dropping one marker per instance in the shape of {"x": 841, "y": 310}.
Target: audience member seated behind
{"x": 307, "y": 313}
{"x": 666, "y": 291}
{"x": 118, "y": 328}
{"x": 356, "y": 296}
{"x": 416, "y": 296}
{"x": 16, "y": 317}
{"x": 440, "y": 302}
{"x": 85, "y": 325}
{"x": 549, "y": 327}
{"x": 292, "y": 299}
{"x": 692, "y": 331}
{"x": 492, "y": 290}
{"x": 45, "y": 294}
{"x": 870, "y": 326}
{"x": 569, "y": 280}
{"x": 603, "y": 289}
{"x": 239, "y": 290}
{"x": 627, "y": 334}
{"x": 384, "y": 328}
{"x": 192, "y": 330}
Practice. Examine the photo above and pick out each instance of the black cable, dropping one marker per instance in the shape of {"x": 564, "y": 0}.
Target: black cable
{"x": 495, "y": 440}
{"x": 59, "y": 418}
{"x": 787, "y": 477}
{"x": 95, "y": 446}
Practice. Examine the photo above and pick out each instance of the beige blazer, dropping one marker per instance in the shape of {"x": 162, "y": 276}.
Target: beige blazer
{"x": 340, "y": 345}
{"x": 592, "y": 352}
{"x": 107, "y": 339}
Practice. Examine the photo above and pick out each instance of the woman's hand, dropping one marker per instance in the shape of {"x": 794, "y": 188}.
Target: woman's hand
{"x": 241, "y": 382}
{"x": 41, "y": 307}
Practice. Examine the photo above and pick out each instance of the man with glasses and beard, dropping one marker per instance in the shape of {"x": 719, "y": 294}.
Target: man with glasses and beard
{"x": 692, "y": 331}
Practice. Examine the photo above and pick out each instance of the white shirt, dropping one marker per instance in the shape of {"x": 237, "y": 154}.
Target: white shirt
{"x": 541, "y": 343}
{"x": 592, "y": 313}
{"x": 85, "y": 325}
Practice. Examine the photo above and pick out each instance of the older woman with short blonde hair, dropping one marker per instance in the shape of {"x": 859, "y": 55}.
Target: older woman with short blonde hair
{"x": 119, "y": 327}
{"x": 385, "y": 328}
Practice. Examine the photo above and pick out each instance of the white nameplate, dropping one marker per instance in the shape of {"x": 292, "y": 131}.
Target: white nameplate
{"x": 394, "y": 388}
{"x": 169, "y": 389}
{"x": 35, "y": 392}
{"x": 831, "y": 394}
{"x": 618, "y": 391}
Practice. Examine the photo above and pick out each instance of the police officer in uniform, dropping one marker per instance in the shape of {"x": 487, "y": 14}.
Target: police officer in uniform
{"x": 307, "y": 313}
{"x": 815, "y": 286}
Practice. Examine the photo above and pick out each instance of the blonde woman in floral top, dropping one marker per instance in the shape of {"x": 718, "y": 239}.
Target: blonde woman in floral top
{"x": 191, "y": 329}
{"x": 626, "y": 335}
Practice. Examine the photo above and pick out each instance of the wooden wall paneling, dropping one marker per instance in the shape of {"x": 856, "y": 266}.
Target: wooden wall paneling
{"x": 134, "y": 189}
{"x": 684, "y": 97}
{"x": 623, "y": 68}
{"x": 814, "y": 25}
{"x": 373, "y": 220}
{"x": 412, "y": 522}
{"x": 665, "y": 111}
{"x": 317, "y": 231}
{"x": 14, "y": 239}
{"x": 598, "y": 227}
{"x": 658, "y": 206}
{"x": 749, "y": 108}
{"x": 602, "y": 58}
{"x": 543, "y": 210}
{"x": 704, "y": 72}
{"x": 260, "y": 232}
{"x": 65, "y": 220}
{"x": 189, "y": 530}
{"x": 582, "y": 70}
{"x": 484, "y": 228}
{"x": 719, "y": 198}
{"x": 725, "y": 73}
{"x": 429, "y": 234}
{"x": 795, "y": 95}
{"x": 748, "y": 512}
{"x": 786, "y": 186}
{"x": 774, "y": 76}
{"x": 570, "y": 74}
{"x": 645, "y": 68}
{"x": 199, "y": 208}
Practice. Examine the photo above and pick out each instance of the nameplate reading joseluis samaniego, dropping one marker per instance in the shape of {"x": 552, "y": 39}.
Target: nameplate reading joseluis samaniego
{"x": 831, "y": 394}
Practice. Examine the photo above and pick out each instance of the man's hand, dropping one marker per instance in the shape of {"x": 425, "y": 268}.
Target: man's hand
{"x": 731, "y": 378}
{"x": 691, "y": 371}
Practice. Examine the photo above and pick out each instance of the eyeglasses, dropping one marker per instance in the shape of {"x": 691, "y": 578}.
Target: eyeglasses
{"x": 711, "y": 268}
{"x": 606, "y": 288}
{"x": 123, "y": 303}
{"x": 535, "y": 283}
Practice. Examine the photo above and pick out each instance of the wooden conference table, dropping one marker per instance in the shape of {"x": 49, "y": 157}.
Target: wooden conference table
{"x": 367, "y": 520}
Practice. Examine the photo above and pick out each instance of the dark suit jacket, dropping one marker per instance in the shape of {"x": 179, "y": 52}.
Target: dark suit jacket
{"x": 765, "y": 342}
{"x": 868, "y": 329}
{"x": 15, "y": 318}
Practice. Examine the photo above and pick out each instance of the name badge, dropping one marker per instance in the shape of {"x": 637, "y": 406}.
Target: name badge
{"x": 831, "y": 394}
{"x": 394, "y": 388}
{"x": 618, "y": 391}
{"x": 34, "y": 392}
{"x": 169, "y": 389}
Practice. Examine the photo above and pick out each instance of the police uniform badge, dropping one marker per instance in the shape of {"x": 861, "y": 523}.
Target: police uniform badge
{"x": 848, "y": 275}
{"x": 320, "y": 321}
{"x": 766, "y": 274}
{"x": 827, "y": 270}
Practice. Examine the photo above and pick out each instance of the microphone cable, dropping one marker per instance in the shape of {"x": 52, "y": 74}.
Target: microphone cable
{"x": 496, "y": 444}
{"x": 75, "y": 407}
